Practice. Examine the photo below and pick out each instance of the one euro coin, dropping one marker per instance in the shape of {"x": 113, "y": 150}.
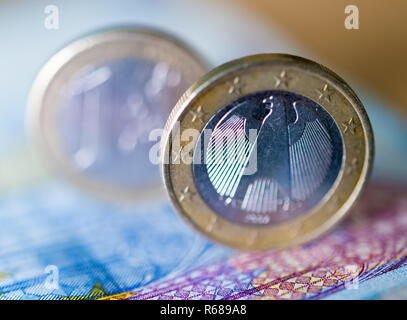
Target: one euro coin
{"x": 266, "y": 151}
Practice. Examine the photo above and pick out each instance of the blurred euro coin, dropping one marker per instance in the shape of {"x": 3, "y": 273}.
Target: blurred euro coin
{"x": 266, "y": 151}
{"x": 95, "y": 104}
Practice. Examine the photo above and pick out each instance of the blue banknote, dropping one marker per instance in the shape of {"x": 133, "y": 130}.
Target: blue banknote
{"x": 56, "y": 243}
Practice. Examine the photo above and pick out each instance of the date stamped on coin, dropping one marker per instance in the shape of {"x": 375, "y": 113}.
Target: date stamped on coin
{"x": 265, "y": 146}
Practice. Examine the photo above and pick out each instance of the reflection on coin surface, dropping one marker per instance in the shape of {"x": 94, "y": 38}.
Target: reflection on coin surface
{"x": 283, "y": 148}
{"x": 299, "y": 155}
{"x": 96, "y": 102}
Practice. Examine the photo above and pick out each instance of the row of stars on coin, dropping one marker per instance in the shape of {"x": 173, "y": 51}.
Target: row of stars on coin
{"x": 326, "y": 93}
{"x": 282, "y": 80}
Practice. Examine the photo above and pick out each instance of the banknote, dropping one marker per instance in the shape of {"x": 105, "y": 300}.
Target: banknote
{"x": 58, "y": 244}
{"x": 364, "y": 258}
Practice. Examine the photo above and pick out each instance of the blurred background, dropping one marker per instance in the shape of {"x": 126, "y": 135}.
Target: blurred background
{"x": 371, "y": 58}
{"x": 45, "y": 221}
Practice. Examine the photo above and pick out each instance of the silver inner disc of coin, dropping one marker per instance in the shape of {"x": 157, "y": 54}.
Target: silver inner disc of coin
{"x": 267, "y": 158}
{"x": 107, "y": 113}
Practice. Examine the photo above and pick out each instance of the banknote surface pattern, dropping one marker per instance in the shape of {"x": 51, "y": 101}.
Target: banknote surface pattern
{"x": 58, "y": 244}
{"x": 369, "y": 245}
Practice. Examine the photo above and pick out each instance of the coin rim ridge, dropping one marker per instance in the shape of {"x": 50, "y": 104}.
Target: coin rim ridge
{"x": 246, "y": 62}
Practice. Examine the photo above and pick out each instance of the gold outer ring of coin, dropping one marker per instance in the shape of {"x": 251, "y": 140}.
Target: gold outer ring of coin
{"x": 93, "y": 49}
{"x": 251, "y": 74}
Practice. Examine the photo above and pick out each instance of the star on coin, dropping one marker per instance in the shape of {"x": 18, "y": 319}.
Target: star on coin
{"x": 211, "y": 224}
{"x": 283, "y": 80}
{"x": 325, "y": 93}
{"x": 186, "y": 193}
{"x": 252, "y": 238}
{"x": 235, "y": 86}
{"x": 359, "y": 147}
{"x": 295, "y": 229}
{"x": 353, "y": 166}
{"x": 335, "y": 201}
{"x": 177, "y": 155}
{"x": 349, "y": 126}
{"x": 198, "y": 114}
